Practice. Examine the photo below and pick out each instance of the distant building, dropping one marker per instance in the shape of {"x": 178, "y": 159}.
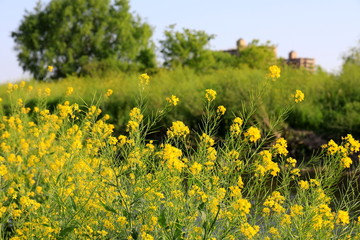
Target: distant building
{"x": 241, "y": 45}
{"x": 306, "y": 63}
{"x": 293, "y": 60}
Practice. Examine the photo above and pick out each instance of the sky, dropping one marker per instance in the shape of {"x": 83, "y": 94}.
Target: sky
{"x": 320, "y": 29}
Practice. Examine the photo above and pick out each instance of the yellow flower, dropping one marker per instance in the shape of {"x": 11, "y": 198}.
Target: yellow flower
{"x": 295, "y": 172}
{"x": 47, "y": 91}
{"x": 243, "y": 206}
{"x": 3, "y": 170}
{"x": 296, "y": 210}
{"x": 210, "y": 95}
{"x": 209, "y": 142}
{"x": 274, "y": 72}
{"x": 346, "y": 162}
{"x": 235, "y": 128}
{"x": 332, "y": 147}
{"x": 179, "y": 129}
{"x": 253, "y": 133}
{"x": 298, "y": 96}
{"x": 20, "y": 102}
{"x": 221, "y": 110}
{"x": 343, "y": 218}
{"x": 275, "y": 201}
{"x": 304, "y": 184}
{"x": 267, "y": 164}
{"x": 135, "y": 115}
{"x": 351, "y": 144}
{"x": 280, "y": 147}
{"x": 144, "y": 79}
{"x": 292, "y": 161}
{"x": 196, "y": 168}
{"x": 109, "y": 92}
{"x": 274, "y": 231}
{"x": 173, "y": 100}
{"x": 50, "y": 68}
{"x": 248, "y": 230}
{"x": 69, "y": 91}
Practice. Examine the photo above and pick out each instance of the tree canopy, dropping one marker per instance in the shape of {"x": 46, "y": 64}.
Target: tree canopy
{"x": 78, "y": 36}
{"x": 258, "y": 56}
{"x": 187, "y": 48}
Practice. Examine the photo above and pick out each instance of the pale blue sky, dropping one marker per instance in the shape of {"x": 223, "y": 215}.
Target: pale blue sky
{"x": 321, "y": 29}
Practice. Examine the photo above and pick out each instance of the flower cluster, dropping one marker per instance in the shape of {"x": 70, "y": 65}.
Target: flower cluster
{"x": 178, "y": 129}
{"x": 144, "y": 79}
{"x": 210, "y": 95}
{"x": 173, "y": 100}
{"x": 253, "y": 134}
{"x": 298, "y": 96}
{"x": 274, "y": 72}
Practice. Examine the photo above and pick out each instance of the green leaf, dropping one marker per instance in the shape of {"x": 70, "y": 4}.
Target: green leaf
{"x": 178, "y": 230}
{"x": 162, "y": 219}
{"x": 65, "y": 231}
{"x": 108, "y": 208}
{"x": 58, "y": 178}
{"x": 73, "y": 204}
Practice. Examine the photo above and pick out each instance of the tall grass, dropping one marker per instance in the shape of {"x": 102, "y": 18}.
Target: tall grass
{"x": 331, "y": 106}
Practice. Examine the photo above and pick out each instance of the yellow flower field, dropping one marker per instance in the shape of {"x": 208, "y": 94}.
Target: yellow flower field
{"x": 64, "y": 174}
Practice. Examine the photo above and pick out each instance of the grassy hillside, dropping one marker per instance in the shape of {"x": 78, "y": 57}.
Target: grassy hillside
{"x": 331, "y": 105}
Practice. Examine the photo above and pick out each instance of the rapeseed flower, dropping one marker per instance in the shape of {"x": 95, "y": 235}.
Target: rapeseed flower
{"x": 135, "y": 115}
{"x": 351, "y": 144}
{"x": 196, "y": 168}
{"x": 304, "y": 184}
{"x": 109, "y": 92}
{"x": 248, "y": 230}
{"x": 291, "y": 161}
{"x": 173, "y": 100}
{"x": 274, "y": 72}
{"x": 280, "y": 147}
{"x": 346, "y": 162}
{"x": 47, "y": 91}
{"x": 221, "y": 110}
{"x": 274, "y": 202}
{"x": 243, "y": 206}
{"x": 253, "y": 133}
{"x": 178, "y": 129}
{"x": 296, "y": 210}
{"x": 331, "y": 147}
{"x": 207, "y": 140}
{"x": 144, "y": 79}
{"x": 298, "y": 96}
{"x": 50, "y": 68}
{"x": 210, "y": 95}
{"x": 342, "y": 217}
{"x": 235, "y": 128}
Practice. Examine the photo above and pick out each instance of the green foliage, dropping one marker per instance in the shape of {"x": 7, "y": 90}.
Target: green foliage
{"x": 331, "y": 104}
{"x": 82, "y": 36}
{"x": 353, "y": 56}
{"x": 258, "y": 56}
{"x": 225, "y": 60}
{"x": 187, "y": 48}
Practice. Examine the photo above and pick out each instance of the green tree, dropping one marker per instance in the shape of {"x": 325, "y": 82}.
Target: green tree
{"x": 353, "y": 55}
{"x": 258, "y": 56}
{"x": 78, "y": 36}
{"x": 187, "y": 48}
